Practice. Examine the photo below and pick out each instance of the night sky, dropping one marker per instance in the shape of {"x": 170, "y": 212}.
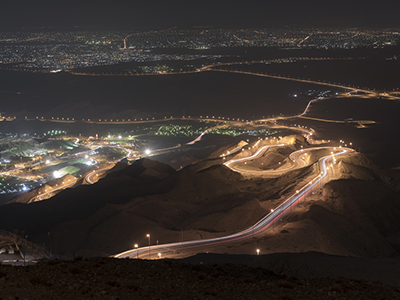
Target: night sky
{"x": 119, "y": 14}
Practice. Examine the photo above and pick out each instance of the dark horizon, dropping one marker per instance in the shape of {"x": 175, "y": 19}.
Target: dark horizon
{"x": 162, "y": 14}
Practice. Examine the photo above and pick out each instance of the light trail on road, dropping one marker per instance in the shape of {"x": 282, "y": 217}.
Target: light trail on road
{"x": 96, "y": 172}
{"x": 61, "y": 187}
{"x": 198, "y": 138}
{"x": 259, "y": 153}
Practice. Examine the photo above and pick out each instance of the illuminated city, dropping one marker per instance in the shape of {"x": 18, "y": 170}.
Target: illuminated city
{"x": 62, "y": 51}
{"x": 199, "y": 150}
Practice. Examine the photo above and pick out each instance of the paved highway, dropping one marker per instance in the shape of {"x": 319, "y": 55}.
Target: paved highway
{"x": 260, "y": 152}
{"x": 93, "y": 176}
{"x": 295, "y": 79}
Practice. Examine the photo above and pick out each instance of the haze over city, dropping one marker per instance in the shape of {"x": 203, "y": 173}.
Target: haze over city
{"x": 209, "y": 150}
{"x": 225, "y": 14}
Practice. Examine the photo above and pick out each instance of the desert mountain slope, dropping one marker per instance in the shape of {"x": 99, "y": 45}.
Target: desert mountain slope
{"x": 355, "y": 215}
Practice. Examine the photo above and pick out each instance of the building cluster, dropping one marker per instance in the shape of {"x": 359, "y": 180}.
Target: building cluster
{"x": 55, "y": 51}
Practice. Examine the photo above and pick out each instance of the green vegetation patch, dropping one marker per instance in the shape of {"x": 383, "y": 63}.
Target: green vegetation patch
{"x": 68, "y": 170}
{"x": 235, "y": 131}
{"x": 179, "y": 130}
{"x": 190, "y": 130}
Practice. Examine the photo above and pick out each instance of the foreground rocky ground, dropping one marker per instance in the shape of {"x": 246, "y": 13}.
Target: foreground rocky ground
{"x": 106, "y": 278}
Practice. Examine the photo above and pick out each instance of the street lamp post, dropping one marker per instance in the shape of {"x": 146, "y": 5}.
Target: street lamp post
{"x": 137, "y": 254}
{"x": 148, "y": 235}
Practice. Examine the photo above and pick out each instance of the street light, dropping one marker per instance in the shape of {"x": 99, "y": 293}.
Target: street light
{"x": 148, "y": 235}
{"x": 159, "y": 255}
{"x": 137, "y": 254}
{"x": 258, "y": 251}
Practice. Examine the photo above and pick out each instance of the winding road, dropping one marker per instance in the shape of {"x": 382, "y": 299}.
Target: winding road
{"x": 296, "y": 158}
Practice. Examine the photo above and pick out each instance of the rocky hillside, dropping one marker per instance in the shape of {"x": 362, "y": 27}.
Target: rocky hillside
{"x": 355, "y": 215}
{"x": 105, "y": 278}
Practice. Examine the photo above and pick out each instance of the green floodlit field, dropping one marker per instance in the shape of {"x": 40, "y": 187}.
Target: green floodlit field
{"x": 68, "y": 170}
